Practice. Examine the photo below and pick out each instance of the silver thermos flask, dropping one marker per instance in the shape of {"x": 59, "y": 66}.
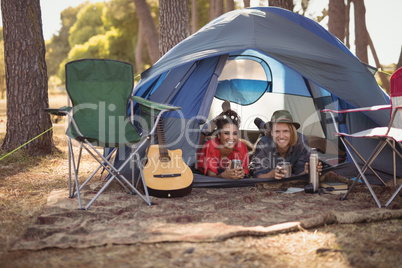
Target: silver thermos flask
{"x": 314, "y": 180}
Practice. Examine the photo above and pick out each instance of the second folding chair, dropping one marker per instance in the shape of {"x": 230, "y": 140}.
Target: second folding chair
{"x": 390, "y": 135}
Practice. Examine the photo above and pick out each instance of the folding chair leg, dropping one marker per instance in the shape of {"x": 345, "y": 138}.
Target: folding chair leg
{"x": 75, "y": 167}
{"x": 367, "y": 164}
{"x": 108, "y": 166}
{"x": 145, "y": 186}
{"x": 70, "y": 194}
{"x": 98, "y": 193}
{"x": 124, "y": 186}
{"x": 101, "y": 164}
{"x": 361, "y": 171}
{"x": 88, "y": 179}
{"x": 364, "y": 161}
{"x": 115, "y": 174}
{"x": 107, "y": 184}
{"x": 395, "y": 152}
{"x": 394, "y": 161}
{"x": 393, "y": 196}
{"x": 75, "y": 188}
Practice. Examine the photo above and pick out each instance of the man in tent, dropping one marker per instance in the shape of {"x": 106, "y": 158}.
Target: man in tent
{"x": 282, "y": 144}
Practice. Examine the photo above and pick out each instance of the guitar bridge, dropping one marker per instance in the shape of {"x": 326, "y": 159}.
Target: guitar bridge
{"x": 172, "y": 175}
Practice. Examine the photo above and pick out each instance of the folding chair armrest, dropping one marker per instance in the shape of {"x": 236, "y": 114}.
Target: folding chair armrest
{"x": 63, "y": 111}
{"x": 154, "y": 105}
{"x": 59, "y": 111}
{"x": 363, "y": 109}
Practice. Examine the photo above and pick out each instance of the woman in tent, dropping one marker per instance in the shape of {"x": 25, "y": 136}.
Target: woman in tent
{"x": 282, "y": 144}
{"x": 216, "y": 156}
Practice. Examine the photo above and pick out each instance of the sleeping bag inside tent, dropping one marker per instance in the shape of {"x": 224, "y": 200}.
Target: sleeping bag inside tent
{"x": 261, "y": 60}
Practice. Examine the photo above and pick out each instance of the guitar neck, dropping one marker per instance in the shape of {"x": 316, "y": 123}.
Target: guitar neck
{"x": 163, "y": 151}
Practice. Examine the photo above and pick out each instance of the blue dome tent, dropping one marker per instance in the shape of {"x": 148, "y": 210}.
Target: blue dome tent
{"x": 263, "y": 59}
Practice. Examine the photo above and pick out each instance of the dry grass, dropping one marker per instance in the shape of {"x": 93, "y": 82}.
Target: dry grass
{"x": 26, "y": 182}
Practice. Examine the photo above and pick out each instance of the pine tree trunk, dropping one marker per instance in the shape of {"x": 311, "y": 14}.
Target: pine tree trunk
{"x": 218, "y": 8}
{"x": 229, "y": 5}
{"x": 149, "y": 30}
{"x": 174, "y": 23}
{"x": 2, "y": 72}
{"x": 361, "y": 39}
{"x": 194, "y": 16}
{"x": 26, "y": 77}
{"x": 336, "y": 18}
{"x": 139, "y": 48}
{"x": 286, "y": 4}
{"x": 212, "y": 8}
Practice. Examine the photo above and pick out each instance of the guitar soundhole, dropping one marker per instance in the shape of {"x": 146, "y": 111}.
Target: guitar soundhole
{"x": 164, "y": 158}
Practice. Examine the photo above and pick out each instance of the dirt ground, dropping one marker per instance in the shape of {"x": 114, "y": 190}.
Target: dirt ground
{"x": 26, "y": 182}
{"x": 363, "y": 245}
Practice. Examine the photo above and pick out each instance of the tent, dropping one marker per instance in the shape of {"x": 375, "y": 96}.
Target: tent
{"x": 263, "y": 59}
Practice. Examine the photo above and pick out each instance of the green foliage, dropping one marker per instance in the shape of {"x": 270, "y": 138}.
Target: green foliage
{"x": 202, "y": 13}
{"x": 100, "y": 30}
{"x": 121, "y": 17}
{"x": 96, "y": 47}
{"x": 57, "y": 48}
{"x": 121, "y": 14}
{"x": 89, "y": 23}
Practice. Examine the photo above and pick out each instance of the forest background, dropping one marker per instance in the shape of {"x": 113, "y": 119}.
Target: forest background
{"x": 110, "y": 29}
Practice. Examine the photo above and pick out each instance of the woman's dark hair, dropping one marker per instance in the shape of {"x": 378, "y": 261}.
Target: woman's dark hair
{"x": 228, "y": 116}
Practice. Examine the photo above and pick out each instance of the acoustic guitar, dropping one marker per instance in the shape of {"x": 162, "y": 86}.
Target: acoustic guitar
{"x": 165, "y": 173}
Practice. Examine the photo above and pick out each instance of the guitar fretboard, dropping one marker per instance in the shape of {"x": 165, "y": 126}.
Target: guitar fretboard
{"x": 163, "y": 151}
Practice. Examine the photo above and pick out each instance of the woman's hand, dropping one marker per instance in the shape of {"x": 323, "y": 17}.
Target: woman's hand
{"x": 234, "y": 174}
{"x": 319, "y": 168}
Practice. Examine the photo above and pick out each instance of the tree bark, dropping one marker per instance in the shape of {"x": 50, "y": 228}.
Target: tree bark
{"x": 229, "y": 5}
{"x": 336, "y": 18}
{"x": 286, "y": 4}
{"x": 218, "y": 8}
{"x": 139, "y": 48}
{"x": 211, "y": 9}
{"x": 174, "y": 23}
{"x": 2, "y": 72}
{"x": 26, "y": 78}
{"x": 194, "y": 16}
{"x": 361, "y": 36}
{"x": 149, "y": 30}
